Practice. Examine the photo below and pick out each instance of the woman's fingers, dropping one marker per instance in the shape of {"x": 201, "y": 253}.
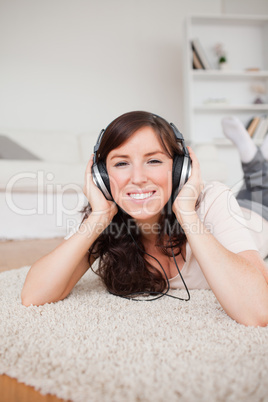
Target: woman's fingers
{"x": 195, "y": 168}
{"x": 89, "y": 164}
{"x": 94, "y": 195}
{"x": 187, "y": 196}
{"x": 195, "y": 162}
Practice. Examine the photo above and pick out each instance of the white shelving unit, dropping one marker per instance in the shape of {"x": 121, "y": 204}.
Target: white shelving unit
{"x": 245, "y": 39}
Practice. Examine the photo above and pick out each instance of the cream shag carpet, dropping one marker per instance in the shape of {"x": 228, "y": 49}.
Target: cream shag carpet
{"x": 95, "y": 347}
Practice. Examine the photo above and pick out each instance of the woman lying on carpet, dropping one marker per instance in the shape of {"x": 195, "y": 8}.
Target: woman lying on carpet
{"x": 159, "y": 230}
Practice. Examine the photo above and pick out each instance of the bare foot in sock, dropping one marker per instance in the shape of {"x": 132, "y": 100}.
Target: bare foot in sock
{"x": 234, "y": 130}
{"x": 264, "y": 147}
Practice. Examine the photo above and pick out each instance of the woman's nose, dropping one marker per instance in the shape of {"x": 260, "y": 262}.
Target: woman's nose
{"x": 138, "y": 175}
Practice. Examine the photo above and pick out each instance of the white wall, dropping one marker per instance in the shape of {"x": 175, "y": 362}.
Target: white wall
{"x": 259, "y": 7}
{"x": 78, "y": 64}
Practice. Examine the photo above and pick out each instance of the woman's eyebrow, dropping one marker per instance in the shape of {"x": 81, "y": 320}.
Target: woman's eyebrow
{"x": 147, "y": 154}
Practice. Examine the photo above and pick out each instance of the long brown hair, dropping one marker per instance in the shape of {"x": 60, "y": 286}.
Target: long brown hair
{"x": 122, "y": 265}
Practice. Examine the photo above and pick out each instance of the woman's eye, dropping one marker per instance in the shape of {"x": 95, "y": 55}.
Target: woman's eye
{"x": 154, "y": 161}
{"x": 120, "y": 164}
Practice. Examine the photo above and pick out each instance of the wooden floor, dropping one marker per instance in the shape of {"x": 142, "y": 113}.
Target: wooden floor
{"x": 16, "y": 254}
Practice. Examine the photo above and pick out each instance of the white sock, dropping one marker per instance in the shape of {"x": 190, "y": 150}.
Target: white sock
{"x": 264, "y": 147}
{"x": 234, "y": 130}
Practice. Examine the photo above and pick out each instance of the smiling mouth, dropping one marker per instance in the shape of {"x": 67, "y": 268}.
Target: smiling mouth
{"x": 142, "y": 196}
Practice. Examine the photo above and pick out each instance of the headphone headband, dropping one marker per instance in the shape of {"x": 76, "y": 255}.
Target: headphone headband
{"x": 178, "y": 134}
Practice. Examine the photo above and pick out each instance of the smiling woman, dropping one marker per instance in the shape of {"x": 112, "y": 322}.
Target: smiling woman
{"x": 141, "y": 182}
{"x": 151, "y": 219}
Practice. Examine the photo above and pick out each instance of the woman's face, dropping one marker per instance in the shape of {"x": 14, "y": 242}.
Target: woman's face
{"x": 140, "y": 173}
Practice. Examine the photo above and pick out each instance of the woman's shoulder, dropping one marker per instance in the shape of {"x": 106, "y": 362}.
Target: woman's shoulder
{"x": 211, "y": 191}
{"x": 212, "y": 188}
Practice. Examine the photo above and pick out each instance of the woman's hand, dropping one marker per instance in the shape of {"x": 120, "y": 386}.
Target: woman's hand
{"x": 184, "y": 203}
{"x": 99, "y": 204}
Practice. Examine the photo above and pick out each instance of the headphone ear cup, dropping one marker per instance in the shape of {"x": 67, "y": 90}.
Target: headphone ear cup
{"x": 104, "y": 177}
{"x": 176, "y": 175}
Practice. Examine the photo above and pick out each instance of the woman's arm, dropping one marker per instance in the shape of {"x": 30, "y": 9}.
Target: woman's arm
{"x": 255, "y": 258}
{"x": 53, "y": 276}
{"x": 237, "y": 280}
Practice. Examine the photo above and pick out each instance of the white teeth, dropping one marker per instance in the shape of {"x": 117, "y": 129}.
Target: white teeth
{"x": 141, "y": 196}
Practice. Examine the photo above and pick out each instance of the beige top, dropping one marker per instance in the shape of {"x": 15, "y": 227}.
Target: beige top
{"x": 237, "y": 229}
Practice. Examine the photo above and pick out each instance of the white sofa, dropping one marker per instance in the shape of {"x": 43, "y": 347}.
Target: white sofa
{"x": 42, "y": 198}
{"x": 64, "y": 154}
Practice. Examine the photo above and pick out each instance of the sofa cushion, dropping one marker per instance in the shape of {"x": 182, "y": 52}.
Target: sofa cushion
{"x": 10, "y": 149}
{"x": 30, "y": 176}
{"x": 51, "y": 146}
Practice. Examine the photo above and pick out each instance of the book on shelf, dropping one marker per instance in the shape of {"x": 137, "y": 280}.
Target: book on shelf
{"x": 261, "y": 129}
{"x": 252, "y": 125}
{"x": 198, "y": 49}
{"x": 196, "y": 62}
{"x": 257, "y": 127}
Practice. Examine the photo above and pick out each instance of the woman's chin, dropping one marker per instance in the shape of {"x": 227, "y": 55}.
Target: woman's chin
{"x": 143, "y": 213}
